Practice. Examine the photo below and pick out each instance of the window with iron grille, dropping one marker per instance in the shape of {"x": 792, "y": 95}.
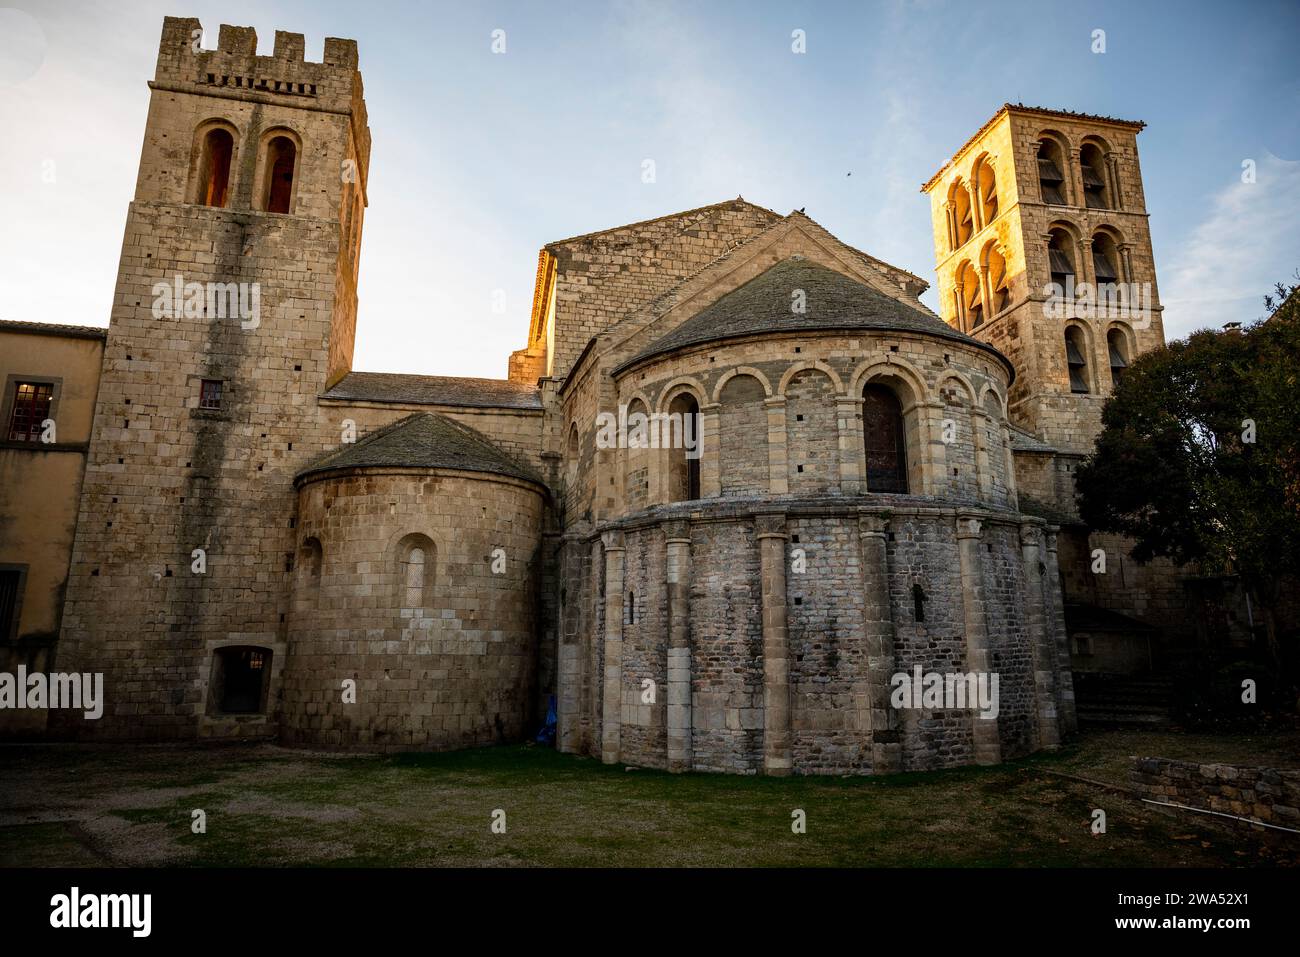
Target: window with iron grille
{"x": 31, "y": 408}
{"x": 210, "y": 394}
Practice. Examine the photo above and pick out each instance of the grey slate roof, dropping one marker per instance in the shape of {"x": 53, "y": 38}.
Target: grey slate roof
{"x": 1025, "y": 441}
{"x": 403, "y": 389}
{"x": 833, "y": 300}
{"x": 53, "y": 329}
{"x": 424, "y": 440}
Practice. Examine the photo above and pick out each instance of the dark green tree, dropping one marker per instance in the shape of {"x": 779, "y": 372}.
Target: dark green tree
{"x": 1199, "y": 457}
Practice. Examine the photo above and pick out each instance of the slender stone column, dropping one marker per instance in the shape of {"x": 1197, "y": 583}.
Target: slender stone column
{"x": 568, "y": 665}
{"x": 1075, "y": 174}
{"x": 979, "y": 421}
{"x": 988, "y": 747}
{"x": 934, "y": 472}
{"x": 878, "y": 631}
{"x": 1055, "y": 615}
{"x": 710, "y": 451}
{"x": 1044, "y": 649}
{"x": 771, "y": 537}
{"x": 778, "y": 455}
{"x": 678, "y": 577}
{"x": 611, "y": 724}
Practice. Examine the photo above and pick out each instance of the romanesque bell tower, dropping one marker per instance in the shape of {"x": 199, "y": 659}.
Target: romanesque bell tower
{"x": 1042, "y": 249}
{"x": 235, "y": 307}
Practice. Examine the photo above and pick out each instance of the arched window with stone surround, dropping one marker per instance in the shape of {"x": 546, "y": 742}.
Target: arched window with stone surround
{"x": 636, "y": 475}
{"x": 683, "y": 462}
{"x": 970, "y": 299}
{"x": 1076, "y": 359}
{"x": 1060, "y": 260}
{"x": 962, "y": 225}
{"x": 1118, "y": 350}
{"x": 279, "y": 170}
{"x": 415, "y": 560}
{"x": 995, "y": 269}
{"x": 215, "y": 161}
{"x": 1052, "y": 186}
{"x": 742, "y": 437}
{"x": 986, "y": 189}
{"x": 1106, "y": 266}
{"x": 884, "y": 440}
{"x": 1092, "y": 167}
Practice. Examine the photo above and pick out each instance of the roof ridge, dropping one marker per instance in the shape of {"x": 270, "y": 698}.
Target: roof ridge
{"x": 1021, "y": 108}
{"x": 658, "y": 219}
{"x": 55, "y": 328}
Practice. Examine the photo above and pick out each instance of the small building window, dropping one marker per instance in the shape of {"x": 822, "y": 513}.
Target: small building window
{"x": 884, "y": 440}
{"x": 210, "y": 394}
{"x": 1116, "y": 346}
{"x": 281, "y": 158}
{"x": 1074, "y": 359}
{"x": 214, "y": 168}
{"x": 239, "y": 681}
{"x": 1051, "y": 183}
{"x": 918, "y": 602}
{"x": 31, "y": 408}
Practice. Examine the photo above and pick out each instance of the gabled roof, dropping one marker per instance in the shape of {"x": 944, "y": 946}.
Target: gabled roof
{"x": 832, "y": 302}
{"x": 53, "y": 329}
{"x": 423, "y": 440}
{"x": 735, "y": 203}
{"x": 402, "y": 389}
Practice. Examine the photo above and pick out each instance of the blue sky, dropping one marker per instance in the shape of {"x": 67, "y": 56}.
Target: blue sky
{"x": 480, "y": 158}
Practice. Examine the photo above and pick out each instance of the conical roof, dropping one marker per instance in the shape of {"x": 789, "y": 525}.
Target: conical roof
{"x": 423, "y": 440}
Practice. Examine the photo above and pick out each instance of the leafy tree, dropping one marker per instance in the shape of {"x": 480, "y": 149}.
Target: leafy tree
{"x": 1199, "y": 457}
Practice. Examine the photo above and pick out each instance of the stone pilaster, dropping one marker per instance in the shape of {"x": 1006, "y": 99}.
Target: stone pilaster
{"x": 710, "y": 446}
{"x": 852, "y": 455}
{"x": 878, "y": 632}
{"x": 1044, "y": 650}
{"x": 1054, "y": 612}
{"x": 568, "y": 665}
{"x": 611, "y": 724}
{"x": 988, "y": 747}
{"x": 771, "y": 537}
{"x": 678, "y": 578}
{"x": 778, "y": 481}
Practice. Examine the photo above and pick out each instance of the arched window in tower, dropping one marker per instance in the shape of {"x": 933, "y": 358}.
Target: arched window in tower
{"x": 963, "y": 222}
{"x": 278, "y": 168}
{"x": 1117, "y": 347}
{"x": 884, "y": 440}
{"x": 986, "y": 187}
{"x": 1105, "y": 263}
{"x": 995, "y": 269}
{"x": 1092, "y": 164}
{"x": 218, "y": 149}
{"x": 1075, "y": 350}
{"x": 1051, "y": 182}
{"x": 968, "y": 295}
{"x": 684, "y": 462}
{"x": 1060, "y": 263}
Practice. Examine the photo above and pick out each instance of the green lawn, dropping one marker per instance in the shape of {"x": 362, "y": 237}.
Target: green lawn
{"x": 84, "y": 805}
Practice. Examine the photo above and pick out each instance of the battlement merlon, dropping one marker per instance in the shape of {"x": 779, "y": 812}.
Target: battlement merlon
{"x": 234, "y": 70}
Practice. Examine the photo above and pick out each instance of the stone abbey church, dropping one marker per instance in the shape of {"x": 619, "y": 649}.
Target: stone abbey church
{"x": 248, "y": 539}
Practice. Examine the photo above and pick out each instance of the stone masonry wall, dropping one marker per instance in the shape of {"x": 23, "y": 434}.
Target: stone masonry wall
{"x": 1270, "y": 795}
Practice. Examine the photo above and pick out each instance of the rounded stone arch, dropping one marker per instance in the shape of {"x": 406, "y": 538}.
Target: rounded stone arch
{"x": 675, "y": 387}
{"x": 637, "y": 456}
{"x": 413, "y": 556}
{"x": 278, "y": 171}
{"x": 893, "y": 367}
{"x": 952, "y": 375}
{"x": 812, "y": 393}
{"x": 1106, "y": 242}
{"x": 308, "y": 567}
{"x": 989, "y": 390}
{"x": 1054, "y": 146}
{"x": 572, "y": 450}
{"x": 213, "y": 164}
{"x": 739, "y": 371}
{"x": 806, "y": 365}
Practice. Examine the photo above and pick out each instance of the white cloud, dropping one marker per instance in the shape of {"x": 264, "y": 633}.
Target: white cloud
{"x": 1248, "y": 240}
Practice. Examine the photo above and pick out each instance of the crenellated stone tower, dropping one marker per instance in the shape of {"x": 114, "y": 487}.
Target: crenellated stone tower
{"x": 234, "y": 309}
